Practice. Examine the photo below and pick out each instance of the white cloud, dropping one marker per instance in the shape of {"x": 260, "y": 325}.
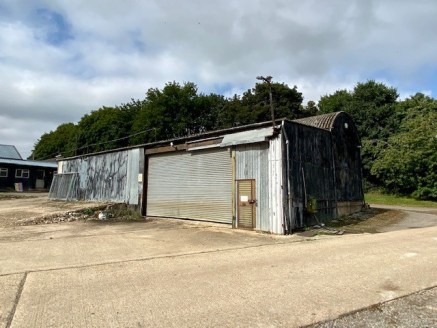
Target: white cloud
{"x": 59, "y": 60}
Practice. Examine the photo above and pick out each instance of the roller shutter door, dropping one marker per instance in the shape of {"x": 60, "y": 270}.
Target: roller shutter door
{"x": 193, "y": 185}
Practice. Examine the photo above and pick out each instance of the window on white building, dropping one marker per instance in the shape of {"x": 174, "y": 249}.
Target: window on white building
{"x": 3, "y": 172}
{"x": 22, "y": 173}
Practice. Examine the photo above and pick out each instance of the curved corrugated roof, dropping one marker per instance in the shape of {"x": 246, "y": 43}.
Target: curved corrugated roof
{"x": 324, "y": 121}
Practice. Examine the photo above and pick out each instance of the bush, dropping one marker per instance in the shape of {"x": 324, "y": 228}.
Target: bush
{"x": 425, "y": 193}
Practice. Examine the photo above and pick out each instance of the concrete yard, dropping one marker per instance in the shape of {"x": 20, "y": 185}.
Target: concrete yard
{"x": 171, "y": 273}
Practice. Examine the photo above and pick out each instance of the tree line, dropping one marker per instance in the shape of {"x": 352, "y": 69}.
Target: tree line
{"x": 176, "y": 110}
{"x": 399, "y": 137}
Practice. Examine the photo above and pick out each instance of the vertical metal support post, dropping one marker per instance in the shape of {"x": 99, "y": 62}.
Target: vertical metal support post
{"x": 234, "y": 204}
{"x": 145, "y": 184}
{"x": 290, "y": 224}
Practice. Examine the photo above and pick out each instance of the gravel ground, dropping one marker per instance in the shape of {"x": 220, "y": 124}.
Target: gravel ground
{"x": 17, "y": 209}
{"x": 416, "y": 310}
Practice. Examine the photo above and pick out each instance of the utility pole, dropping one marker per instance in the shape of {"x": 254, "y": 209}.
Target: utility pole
{"x": 268, "y": 80}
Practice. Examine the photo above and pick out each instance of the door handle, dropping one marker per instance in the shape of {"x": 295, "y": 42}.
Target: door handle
{"x": 252, "y": 201}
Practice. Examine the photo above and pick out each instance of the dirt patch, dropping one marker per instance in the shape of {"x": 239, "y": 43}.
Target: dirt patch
{"x": 31, "y": 209}
{"x": 370, "y": 220}
{"x": 7, "y": 196}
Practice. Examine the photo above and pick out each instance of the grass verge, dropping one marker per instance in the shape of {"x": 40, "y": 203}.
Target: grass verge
{"x": 379, "y": 198}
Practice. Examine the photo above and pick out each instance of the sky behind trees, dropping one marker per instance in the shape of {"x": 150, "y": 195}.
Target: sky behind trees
{"x": 60, "y": 60}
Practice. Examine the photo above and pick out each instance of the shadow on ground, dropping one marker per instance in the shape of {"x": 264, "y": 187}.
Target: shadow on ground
{"x": 369, "y": 220}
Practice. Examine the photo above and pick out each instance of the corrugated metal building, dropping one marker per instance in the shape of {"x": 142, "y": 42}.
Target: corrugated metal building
{"x": 273, "y": 179}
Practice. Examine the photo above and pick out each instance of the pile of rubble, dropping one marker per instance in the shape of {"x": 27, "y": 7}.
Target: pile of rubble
{"x": 79, "y": 215}
{"x": 113, "y": 212}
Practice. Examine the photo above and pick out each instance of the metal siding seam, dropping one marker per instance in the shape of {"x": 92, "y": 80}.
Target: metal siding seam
{"x": 279, "y": 163}
{"x": 275, "y": 186}
{"x": 128, "y": 176}
{"x": 234, "y": 194}
{"x": 264, "y": 171}
{"x": 272, "y": 180}
{"x": 274, "y": 190}
{"x": 262, "y": 191}
{"x": 132, "y": 176}
{"x": 257, "y": 158}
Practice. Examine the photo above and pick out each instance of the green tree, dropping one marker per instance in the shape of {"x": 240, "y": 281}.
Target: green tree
{"x": 175, "y": 111}
{"x": 310, "y": 109}
{"x": 129, "y": 111}
{"x": 100, "y": 129}
{"x": 407, "y": 163}
{"x": 256, "y": 103}
{"x": 61, "y": 141}
{"x": 208, "y": 108}
{"x": 374, "y": 110}
{"x": 373, "y": 106}
{"x": 340, "y": 100}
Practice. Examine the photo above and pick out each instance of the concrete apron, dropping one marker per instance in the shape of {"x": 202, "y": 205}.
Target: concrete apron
{"x": 131, "y": 276}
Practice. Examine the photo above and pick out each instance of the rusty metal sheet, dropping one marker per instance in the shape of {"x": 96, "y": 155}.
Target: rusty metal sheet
{"x": 247, "y": 137}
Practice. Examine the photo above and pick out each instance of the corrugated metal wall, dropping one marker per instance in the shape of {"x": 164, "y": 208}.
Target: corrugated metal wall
{"x": 311, "y": 173}
{"x": 263, "y": 162}
{"x": 193, "y": 185}
{"x": 132, "y": 175}
{"x": 107, "y": 177}
{"x": 347, "y": 158}
{"x": 251, "y": 162}
{"x": 275, "y": 189}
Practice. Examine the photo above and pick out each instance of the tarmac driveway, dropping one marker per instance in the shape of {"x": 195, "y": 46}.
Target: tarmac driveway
{"x": 169, "y": 273}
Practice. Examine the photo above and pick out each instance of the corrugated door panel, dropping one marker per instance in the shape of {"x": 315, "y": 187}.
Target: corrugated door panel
{"x": 193, "y": 185}
{"x": 245, "y": 209}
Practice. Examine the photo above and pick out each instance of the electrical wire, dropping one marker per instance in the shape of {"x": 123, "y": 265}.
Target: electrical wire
{"x": 98, "y": 144}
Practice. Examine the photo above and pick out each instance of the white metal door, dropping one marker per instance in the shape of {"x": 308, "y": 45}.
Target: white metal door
{"x": 191, "y": 184}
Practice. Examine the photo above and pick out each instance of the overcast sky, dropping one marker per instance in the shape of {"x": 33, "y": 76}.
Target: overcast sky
{"x": 61, "y": 59}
